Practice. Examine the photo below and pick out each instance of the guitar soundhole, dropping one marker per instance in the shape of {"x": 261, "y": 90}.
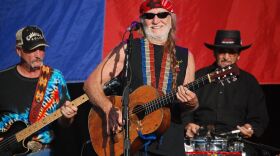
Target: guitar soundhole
{"x": 139, "y": 111}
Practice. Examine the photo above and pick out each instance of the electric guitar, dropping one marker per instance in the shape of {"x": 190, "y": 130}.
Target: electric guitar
{"x": 148, "y": 114}
{"x": 17, "y": 136}
{"x": 14, "y": 138}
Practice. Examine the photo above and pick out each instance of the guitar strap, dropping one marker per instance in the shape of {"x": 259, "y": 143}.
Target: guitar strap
{"x": 38, "y": 98}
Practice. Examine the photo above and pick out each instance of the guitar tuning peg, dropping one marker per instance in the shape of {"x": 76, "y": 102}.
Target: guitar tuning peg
{"x": 234, "y": 78}
{"x": 228, "y": 80}
{"x": 222, "y": 83}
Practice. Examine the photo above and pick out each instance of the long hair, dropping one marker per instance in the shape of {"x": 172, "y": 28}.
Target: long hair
{"x": 170, "y": 47}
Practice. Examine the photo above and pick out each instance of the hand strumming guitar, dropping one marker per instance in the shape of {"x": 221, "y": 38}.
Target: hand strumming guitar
{"x": 114, "y": 120}
{"x": 187, "y": 97}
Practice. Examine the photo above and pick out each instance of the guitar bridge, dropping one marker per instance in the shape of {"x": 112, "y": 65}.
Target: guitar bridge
{"x": 34, "y": 146}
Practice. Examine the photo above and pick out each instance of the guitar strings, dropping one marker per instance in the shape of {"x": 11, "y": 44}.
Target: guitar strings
{"x": 152, "y": 103}
{"x": 7, "y": 141}
{"x": 149, "y": 105}
{"x": 166, "y": 97}
{"x": 12, "y": 139}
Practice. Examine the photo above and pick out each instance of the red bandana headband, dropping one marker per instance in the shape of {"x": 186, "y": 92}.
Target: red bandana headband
{"x": 151, "y": 4}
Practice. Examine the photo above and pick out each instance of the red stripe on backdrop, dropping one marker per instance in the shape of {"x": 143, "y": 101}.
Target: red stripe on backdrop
{"x": 197, "y": 22}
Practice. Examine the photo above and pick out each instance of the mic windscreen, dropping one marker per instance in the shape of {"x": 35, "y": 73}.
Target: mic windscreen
{"x": 134, "y": 26}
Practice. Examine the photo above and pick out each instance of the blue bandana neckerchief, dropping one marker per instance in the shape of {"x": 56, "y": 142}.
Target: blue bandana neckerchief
{"x": 148, "y": 138}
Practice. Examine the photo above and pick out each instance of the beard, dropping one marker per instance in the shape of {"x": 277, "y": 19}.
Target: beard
{"x": 159, "y": 37}
{"x": 36, "y": 64}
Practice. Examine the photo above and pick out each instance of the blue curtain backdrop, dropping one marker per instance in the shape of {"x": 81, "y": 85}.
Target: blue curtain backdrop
{"x": 73, "y": 29}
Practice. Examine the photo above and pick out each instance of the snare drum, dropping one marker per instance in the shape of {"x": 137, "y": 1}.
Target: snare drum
{"x": 205, "y": 144}
{"x": 199, "y": 144}
{"x": 236, "y": 146}
{"x": 218, "y": 145}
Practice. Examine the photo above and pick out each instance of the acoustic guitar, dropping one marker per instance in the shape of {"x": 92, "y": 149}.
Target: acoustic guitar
{"x": 148, "y": 114}
{"x": 17, "y": 136}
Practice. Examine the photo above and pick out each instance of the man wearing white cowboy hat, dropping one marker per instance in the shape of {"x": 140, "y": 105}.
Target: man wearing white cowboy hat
{"x": 239, "y": 105}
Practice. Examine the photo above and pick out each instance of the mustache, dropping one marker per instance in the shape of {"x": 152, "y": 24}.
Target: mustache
{"x": 225, "y": 60}
{"x": 37, "y": 60}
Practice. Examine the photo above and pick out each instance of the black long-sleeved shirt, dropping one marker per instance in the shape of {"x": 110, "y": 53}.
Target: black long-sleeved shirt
{"x": 236, "y": 103}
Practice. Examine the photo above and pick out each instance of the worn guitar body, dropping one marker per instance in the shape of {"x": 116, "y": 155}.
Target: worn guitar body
{"x": 14, "y": 147}
{"x": 157, "y": 122}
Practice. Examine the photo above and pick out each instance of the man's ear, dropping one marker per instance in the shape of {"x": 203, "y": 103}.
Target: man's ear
{"x": 18, "y": 50}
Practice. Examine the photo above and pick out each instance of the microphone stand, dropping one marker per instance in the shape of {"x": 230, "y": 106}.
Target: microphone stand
{"x": 125, "y": 96}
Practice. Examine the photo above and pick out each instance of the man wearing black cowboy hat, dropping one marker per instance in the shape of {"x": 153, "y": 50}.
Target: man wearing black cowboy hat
{"x": 239, "y": 105}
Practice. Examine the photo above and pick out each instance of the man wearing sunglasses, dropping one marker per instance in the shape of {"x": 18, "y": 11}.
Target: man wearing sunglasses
{"x": 155, "y": 61}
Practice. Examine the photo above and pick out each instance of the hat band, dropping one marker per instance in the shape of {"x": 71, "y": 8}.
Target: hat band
{"x": 151, "y": 4}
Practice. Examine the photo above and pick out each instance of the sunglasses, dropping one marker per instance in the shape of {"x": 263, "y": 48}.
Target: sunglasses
{"x": 160, "y": 15}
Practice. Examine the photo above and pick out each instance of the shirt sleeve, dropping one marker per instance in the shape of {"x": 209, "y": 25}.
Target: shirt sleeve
{"x": 63, "y": 90}
{"x": 257, "y": 114}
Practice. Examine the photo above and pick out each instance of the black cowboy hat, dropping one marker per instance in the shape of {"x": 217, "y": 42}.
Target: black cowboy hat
{"x": 227, "y": 39}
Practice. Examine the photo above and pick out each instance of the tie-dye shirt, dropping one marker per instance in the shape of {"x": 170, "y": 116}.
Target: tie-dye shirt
{"x": 16, "y": 94}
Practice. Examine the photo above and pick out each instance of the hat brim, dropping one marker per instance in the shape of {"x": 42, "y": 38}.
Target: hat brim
{"x": 39, "y": 45}
{"x": 234, "y": 47}
{"x": 35, "y": 46}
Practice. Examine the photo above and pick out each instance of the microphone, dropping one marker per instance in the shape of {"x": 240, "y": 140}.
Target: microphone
{"x": 134, "y": 26}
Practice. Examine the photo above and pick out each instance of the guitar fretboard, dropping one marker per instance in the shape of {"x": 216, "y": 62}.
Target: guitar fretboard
{"x": 171, "y": 96}
{"x": 47, "y": 120}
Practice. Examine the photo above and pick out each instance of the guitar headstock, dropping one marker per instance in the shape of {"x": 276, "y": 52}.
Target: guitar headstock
{"x": 228, "y": 73}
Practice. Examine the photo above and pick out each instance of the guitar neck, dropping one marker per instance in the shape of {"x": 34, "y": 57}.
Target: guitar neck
{"x": 170, "y": 97}
{"x": 47, "y": 120}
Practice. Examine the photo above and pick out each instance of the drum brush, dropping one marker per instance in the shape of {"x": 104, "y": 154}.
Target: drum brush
{"x": 231, "y": 132}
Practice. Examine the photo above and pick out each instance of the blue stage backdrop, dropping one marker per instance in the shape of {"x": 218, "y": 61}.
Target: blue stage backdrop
{"x": 73, "y": 29}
